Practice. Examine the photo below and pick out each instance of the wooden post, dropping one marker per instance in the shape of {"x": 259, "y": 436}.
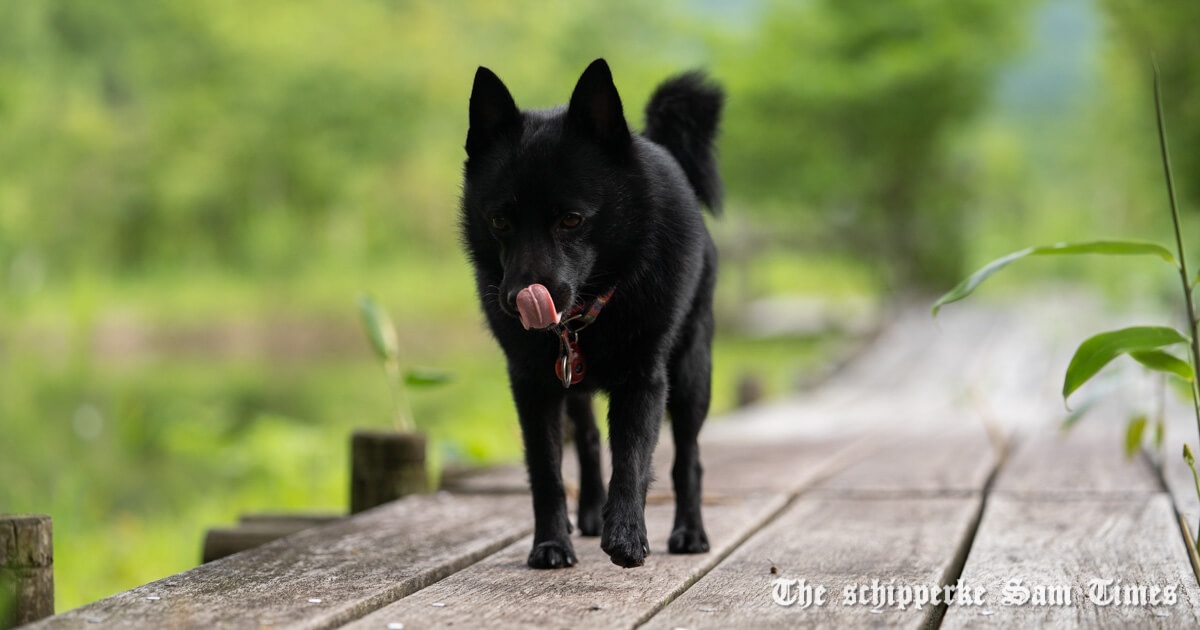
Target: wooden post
{"x": 385, "y": 466}
{"x": 26, "y": 569}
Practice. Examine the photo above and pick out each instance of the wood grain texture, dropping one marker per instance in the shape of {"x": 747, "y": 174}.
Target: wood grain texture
{"x": 385, "y": 466}
{"x": 351, "y": 567}
{"x": 1087, "y": 461}
{"x": 1069, "y": 543}
{"x": 26, "y": 568}
{"x": 26, "y": 541}
{"x": 501, "y": 592}
{"x": 835, "y": 543}
{"x": 959, "y": 463}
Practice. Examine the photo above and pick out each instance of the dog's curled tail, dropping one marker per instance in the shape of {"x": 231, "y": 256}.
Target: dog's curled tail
{"x": 682, "y": 116}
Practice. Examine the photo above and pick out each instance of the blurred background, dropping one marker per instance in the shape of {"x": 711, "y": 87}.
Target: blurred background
{"x": 193, "y": 194}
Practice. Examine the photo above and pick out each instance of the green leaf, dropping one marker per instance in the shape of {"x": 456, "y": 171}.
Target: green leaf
{"x": 1098, "y": 351}
{"x": 1164, "y": 362}
{"x": 1133, "y": 435}
{"x": 1188, "y": 458}
{"x": 1113, "y": 248}
{"x": 422, "y": 376}
{"x": 379, "y": 328}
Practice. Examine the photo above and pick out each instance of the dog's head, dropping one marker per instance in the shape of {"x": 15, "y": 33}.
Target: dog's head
{"x": 543, "y": 188}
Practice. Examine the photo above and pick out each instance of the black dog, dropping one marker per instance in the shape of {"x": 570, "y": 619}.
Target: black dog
{"x": 566, "y": 206}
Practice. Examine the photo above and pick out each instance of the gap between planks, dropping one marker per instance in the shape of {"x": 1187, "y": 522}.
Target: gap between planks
{"x": 857, "y": 519}
{"x": 482, "y": 594}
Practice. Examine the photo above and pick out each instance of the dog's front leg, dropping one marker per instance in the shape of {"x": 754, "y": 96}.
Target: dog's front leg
{"x": 541, "y": 411}
{"x": 635, "y": 413}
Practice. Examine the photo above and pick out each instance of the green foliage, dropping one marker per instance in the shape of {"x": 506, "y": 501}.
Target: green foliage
{"x": 848, "y": 107}
{"x": 419, "y": 376}
{"x": 1120, "y": 248}
{"x": 381, "y": 332}
{"x": 1162, "y": 361}
{"x": 1167, "y": 30}
{"x": 1099, "y": 350}
{"x": 1143, "y": 343}
{"x": 1133, "y": 435}
{"x": 265, "y": 138}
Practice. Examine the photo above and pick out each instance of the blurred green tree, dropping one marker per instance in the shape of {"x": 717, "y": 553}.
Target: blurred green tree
{"x": 1168, "y": 31}
{"x": 843, "y": 113}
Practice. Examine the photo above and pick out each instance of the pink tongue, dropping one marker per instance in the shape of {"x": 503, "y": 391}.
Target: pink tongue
{"x": 536, "y": 307}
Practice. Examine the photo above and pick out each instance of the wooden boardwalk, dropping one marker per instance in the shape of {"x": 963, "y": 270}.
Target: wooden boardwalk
{"x": 933, "y": 459}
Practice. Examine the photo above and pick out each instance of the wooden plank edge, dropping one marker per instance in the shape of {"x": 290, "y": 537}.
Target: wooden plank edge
{"x": 839, "y": 460}
{"x": 1189, "y": 541}
{"x": 717, "y": 558}
{"x": 426, "y": 579}
{"x": 361, "y": 606}
{"x": 935, "y": 615}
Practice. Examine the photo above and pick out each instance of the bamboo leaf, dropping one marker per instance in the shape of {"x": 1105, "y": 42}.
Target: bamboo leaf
{"x": 1095, "y": 353}
{"x": 1133, "y": 435}
{"x": 1112, "y": 248}
{"x": 379, "y": 328}
{"x": 423, "y": 376}
{"x": 1164, "y": 362}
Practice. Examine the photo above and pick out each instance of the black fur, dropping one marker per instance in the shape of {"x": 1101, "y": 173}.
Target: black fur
{"x": 682, "y": 115}
{"x": 639, "y": 198}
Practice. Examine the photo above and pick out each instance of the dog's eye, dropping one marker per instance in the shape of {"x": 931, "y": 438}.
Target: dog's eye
{"x": 500, "y": 223}
{"x": 572, "y": 220}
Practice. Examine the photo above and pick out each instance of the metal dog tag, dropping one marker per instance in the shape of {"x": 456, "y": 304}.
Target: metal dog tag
{"x": 562, "y": 369}
{"x": 570, "y": 366}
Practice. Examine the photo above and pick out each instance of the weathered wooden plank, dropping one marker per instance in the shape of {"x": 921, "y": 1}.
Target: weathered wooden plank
{"x": 1089, "y": 460}
{"x": 1067, "y": 544}
{"x": 838, "y": 544}
{"x": 904, "y": 512}
{"x": 946, "y": 463}
{"x": 501, "y": 592}
{"x": 321, "y": 577}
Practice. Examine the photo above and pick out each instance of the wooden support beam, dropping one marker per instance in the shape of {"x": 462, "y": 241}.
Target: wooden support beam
{"x": 258, "y": 529}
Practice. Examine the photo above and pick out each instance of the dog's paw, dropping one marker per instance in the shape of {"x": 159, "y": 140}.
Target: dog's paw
{"x": 552, "y": 554}
{"x": 591, "y": 520}
{"x": 626, "y": 545}
{"x": 688, "y": 540}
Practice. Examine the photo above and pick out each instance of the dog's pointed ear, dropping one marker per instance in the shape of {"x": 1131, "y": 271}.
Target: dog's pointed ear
{"x": 595, "y": 108}
{"x": 493, "y": 112}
